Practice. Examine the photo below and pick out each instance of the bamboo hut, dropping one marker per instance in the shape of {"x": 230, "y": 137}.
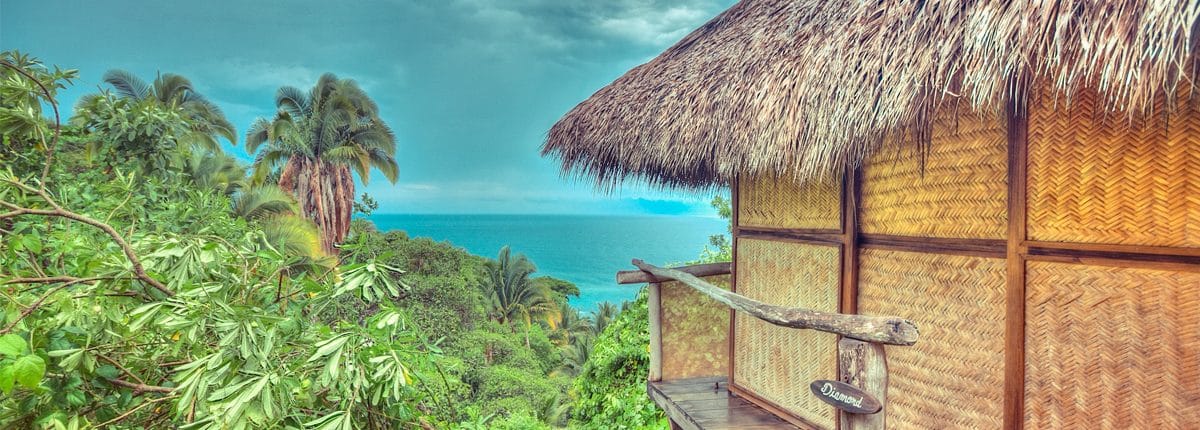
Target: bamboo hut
{"x": 1020, "y": 180}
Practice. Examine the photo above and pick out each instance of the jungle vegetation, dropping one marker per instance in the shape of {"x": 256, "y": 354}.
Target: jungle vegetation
{"x": 149, "y": 280}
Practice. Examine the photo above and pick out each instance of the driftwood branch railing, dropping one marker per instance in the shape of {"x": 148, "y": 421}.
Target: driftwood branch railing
{"x": 887, "y": 330}
{"x": 862, "y": 365}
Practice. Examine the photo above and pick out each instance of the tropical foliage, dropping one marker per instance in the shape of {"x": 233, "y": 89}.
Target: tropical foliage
{"x": 148, "y": 280}
{"x": 315, "y": 140}
{"x": 159, "y": 122}
{"x": 610, "y": 391}
{"x": 25, "y": 89}
{"x": 514, "y": 296}
{"x": 500, "y": 372}
{"x": 134, "y": 297}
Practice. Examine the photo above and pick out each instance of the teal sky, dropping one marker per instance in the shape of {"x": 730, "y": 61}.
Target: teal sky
{"x": 470, "y": 86}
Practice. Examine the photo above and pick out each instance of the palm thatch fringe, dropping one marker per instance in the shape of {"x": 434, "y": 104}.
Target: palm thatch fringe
{"x": 808, "y": 87}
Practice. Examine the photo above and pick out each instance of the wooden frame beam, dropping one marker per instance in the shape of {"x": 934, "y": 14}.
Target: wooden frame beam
{"x": 786, "y": 236}
{"x": 991, "y": 248}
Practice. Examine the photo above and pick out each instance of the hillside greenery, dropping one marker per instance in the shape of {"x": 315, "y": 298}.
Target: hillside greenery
{"x": 148, "y": 280}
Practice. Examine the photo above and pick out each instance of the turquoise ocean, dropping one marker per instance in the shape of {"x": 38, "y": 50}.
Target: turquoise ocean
{"x": 583, "y": 249}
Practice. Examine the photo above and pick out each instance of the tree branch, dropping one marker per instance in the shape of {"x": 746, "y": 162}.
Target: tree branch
{"x": 119, "y": 366}
{"x": 141, "y": 388}
{"x": 50, "y": 280}
{"x": 37, "y": 304}
{"x": 131, "y": 411}
{"x": 58, "y": 211}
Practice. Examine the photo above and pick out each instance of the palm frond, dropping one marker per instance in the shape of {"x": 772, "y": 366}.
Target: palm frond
{"x": 294, "y": 236}
{"x": 326, "y": 84}
{"x": 258, "y": 134}
{"x": 215, "y": 171}
{"x": 200, "y": 141}
{"x": 271, "y": 157}
{"x": 262, "y": 201}
{"x": 372, "y": 136}
{"x": 207, "y": 114}
{"x": 127, "y": 84}
{"x": 171, "y": 88}
{"x": 385, "y": 163}
{"x": 293, "y": 101}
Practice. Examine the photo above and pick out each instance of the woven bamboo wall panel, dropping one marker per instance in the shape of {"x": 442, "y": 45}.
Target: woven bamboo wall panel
{"x": 695, "y": 331}
{"x": 954, "y": 376}
{"x": 778, "y": 363}
{"x": 771, "y": 202}
{"x": 1104, "y": 178}
{"x": 1111, "y": 348}
{"x": 959, "y": 192}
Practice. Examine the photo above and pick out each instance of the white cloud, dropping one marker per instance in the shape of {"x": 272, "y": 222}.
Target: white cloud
{"x": 245, "y": 74}
{"x": 417, "y": 188}
{"x": 555, "y": 25}
{"x": 653, "y": 26}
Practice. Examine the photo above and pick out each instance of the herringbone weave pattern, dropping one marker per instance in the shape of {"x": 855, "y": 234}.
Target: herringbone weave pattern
{"x": 1102, "y": 178}
{"x": 1111, "y": 348}
{"x": 778, "y": 363}
{"x": 780, "y": 203}
{"x": 695, "y": 331}
{"x": 959, "y": 192}
{"x": 953, "y": 378}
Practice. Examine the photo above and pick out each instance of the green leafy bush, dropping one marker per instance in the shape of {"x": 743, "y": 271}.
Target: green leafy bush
{"x": 610, "y": 393}
{"x": 142, "y": 288}
{"x": 133, "y": 298}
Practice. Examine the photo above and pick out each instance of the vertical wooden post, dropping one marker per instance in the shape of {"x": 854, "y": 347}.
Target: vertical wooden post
{"x": 863, "y": 365}
{"x": 1014, "y": 333}
{"x": 850, "y": 198}
{"x": 735, "y": 207}
{"x": 655, "y": 304}
{"x": 848, "y": 302}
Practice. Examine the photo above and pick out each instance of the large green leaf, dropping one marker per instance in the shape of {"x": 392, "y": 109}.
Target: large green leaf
{"x": 28, "y": 370}
{"x": 327, "y": 347}
{"x": 6, "y": 379}
{"x": 12, "y": 345}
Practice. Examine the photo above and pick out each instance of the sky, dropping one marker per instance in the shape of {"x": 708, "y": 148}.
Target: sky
{"x": 469, "y": 86}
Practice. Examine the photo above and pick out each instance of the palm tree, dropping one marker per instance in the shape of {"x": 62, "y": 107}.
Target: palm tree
{"x": 514, "y": 297}
{"x": 317, "y": 138}
{"x": 205, "y": 119}
{"x": 554, "y": 409}
{"x": 570, "y": 325}
{"x": 604, "y": 315}
{"x": 575, "y": 356}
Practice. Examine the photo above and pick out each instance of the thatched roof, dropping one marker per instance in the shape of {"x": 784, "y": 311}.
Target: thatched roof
{"x": 806, "y": 86}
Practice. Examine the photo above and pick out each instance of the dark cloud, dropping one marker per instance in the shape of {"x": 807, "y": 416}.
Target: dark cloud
{"x": 471, "y": 86}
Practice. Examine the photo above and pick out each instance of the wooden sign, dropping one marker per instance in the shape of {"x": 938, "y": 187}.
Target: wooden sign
{"x": 845, "y": 397}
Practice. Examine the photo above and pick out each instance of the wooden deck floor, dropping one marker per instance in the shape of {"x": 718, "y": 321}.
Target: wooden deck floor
{"x": 706, "y": 403}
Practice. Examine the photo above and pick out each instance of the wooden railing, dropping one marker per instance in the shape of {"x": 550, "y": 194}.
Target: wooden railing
{"x": 861, "y": 391}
